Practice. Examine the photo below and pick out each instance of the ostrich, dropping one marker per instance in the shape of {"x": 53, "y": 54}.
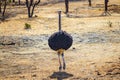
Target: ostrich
{"x": 60, "y": 41}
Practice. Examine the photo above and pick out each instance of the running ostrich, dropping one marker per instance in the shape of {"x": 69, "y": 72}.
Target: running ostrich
{"x": 60, "y": 41}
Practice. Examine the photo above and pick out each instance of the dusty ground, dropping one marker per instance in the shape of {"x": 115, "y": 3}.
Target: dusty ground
{"x": 94, "y": 55}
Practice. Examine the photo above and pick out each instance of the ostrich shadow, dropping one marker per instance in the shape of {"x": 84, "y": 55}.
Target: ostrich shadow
{"x": 60, "y": 75}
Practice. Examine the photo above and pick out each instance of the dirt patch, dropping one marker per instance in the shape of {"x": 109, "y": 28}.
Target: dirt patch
{"x": 114, "y": 8}
{"x": 90, "y": 37}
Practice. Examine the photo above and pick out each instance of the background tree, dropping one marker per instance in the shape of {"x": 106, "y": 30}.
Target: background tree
{"x": 0, "y": 6}
{"x": 30, "y": 4}
{"x": 19, "y": 2}
{"x": 67, "y": 6}
{"x": 13, "y": 1}
{"x": 106, "y": 5}
{"x": 106, "y": 8}
{"x": 90, "y": 4}
{"x": 2, "y": 10}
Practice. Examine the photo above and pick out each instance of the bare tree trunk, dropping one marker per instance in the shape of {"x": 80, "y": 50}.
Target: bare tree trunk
{"x": 33, "y": 10}
{"x": 105, "y": 13}
{"x": 90, "y": 4}
{"x": 19, "y": 2}
{"x": 28, "y": 5}
{"x": 3, "y": 14}
{"x": 36, "y": 3}
{"x": 31, "y": 6}
{"x": 13, "y": 1}
{"x": 106, "y": 5}
{"x": 29, "y": 10}
{"x": 0, "y": 6}
{"x": 67, "y": 6}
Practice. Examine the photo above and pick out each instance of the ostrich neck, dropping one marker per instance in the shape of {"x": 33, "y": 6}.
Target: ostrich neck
{"x": 59, "y": 21}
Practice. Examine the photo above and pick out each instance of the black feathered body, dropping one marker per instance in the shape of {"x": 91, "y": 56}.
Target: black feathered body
{"x": 60, "y": 40}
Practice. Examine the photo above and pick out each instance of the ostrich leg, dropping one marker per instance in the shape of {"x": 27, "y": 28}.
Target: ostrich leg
{"x": 64, "y": 65}
{"x": 60, "y": 67}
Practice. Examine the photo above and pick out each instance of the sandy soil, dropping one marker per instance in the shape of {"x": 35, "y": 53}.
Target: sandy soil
{"x": 94, "y": 55}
